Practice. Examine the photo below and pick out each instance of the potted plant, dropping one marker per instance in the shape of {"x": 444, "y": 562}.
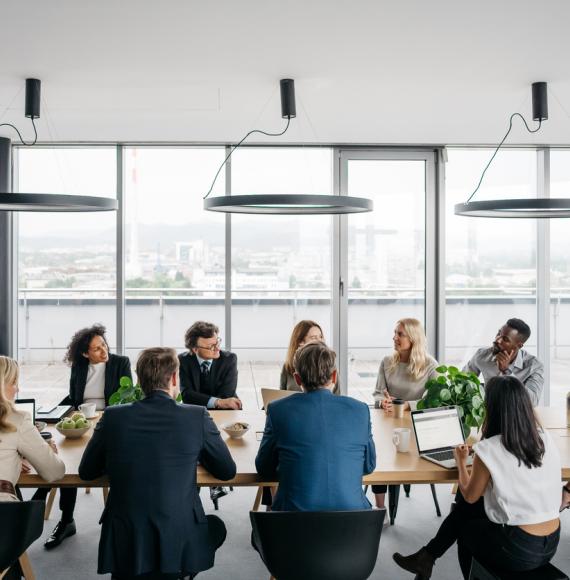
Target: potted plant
{"x": 454, "y": 387}
{"x": 129, "y": 393}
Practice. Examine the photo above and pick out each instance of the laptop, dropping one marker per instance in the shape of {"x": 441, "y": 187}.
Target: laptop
{"x": 270, "y": 395}
{"x": 437, "y": 432}
{"x": 28, "y": 405}
{"x": 53, "y": 414}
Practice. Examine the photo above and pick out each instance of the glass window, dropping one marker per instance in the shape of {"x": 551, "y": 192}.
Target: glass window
{"x": 490, "y": 263}
{"x": 281, "y": 265}
{"x": 67, "y": 264}
{"x": 386, "y": 262}
{"x": 175, "y": 253}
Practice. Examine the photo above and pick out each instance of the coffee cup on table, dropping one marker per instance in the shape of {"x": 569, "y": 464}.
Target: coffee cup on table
{"x": 401, "y": 439}
{"x": 398, "y": 405}
{"x": 88, "y": 409}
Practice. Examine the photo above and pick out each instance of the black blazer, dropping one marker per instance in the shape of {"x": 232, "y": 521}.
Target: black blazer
{"x": 153, "y": 520}
{"x": 115, "y": 368}
{"x": 223, "y": 378}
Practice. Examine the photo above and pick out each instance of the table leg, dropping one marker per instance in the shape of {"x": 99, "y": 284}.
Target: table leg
{"x": 257, "y": 499}
{"x": 49, "y": 502}
{"x": 393, "y": 496}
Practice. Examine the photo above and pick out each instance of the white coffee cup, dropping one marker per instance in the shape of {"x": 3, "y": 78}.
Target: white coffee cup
{"x": 401, "y": 439}
{"x": 88, "y": 409}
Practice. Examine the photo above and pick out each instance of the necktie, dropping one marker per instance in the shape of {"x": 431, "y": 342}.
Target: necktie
{"x": 205, "y": 369}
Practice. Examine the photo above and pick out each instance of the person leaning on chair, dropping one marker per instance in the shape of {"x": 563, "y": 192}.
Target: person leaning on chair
{"x": 208, "y": 375}
{"x": 316, "y": 444}
{"x": 154, "y": 525}
{"x": 95, "y": 376}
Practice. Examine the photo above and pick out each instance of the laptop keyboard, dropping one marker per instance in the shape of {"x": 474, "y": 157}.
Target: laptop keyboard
{"x": 441, "y": 455}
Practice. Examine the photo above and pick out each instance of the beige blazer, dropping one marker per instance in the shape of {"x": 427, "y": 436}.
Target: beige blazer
{"x": 26, "y": 442}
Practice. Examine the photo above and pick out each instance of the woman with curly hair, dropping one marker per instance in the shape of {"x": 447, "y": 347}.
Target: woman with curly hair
{"x": 95, "y": 375}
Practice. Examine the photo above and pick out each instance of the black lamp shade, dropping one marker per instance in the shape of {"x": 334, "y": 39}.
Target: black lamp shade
{"x": 539, "y": 102}
{"x": 33, "y": 92}
{"x": 288, "y": 110}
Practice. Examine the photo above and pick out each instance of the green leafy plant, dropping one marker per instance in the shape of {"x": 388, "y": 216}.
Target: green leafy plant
{"x": 129, "y": 393}
{"x": 454, "y": 387}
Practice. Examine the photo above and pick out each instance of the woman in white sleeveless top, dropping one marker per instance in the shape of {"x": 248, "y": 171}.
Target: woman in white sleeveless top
{"x": 19, "y": 438}
{"x": 506, "y": 514}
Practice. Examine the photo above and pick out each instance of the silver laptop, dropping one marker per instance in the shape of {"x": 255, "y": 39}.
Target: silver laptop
{"x": 270, "y": 395}
{"x": 437, "y": 432}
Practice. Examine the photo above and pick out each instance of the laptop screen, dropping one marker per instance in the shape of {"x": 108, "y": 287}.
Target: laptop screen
{"x": 28, "y": 405}
{"x": 437, "y": 428}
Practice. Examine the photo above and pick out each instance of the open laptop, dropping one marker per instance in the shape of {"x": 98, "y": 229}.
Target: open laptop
{"x": 28, "y": 405}
{"x": 53, "y": 414}
{"x": 437, "y": 432}
{"x": 270, "y": 395}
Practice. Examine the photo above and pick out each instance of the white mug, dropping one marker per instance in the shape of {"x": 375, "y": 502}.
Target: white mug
{"x": 88, "y": 409}
{"x": 401, "y": 439}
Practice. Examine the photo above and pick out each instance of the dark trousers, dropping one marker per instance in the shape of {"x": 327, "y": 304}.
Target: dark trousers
{"x": 499, "y": 546}
{"x": 379, "y": 488}
{"x": 67, "y": 500}
{"x": 217, "y": 532}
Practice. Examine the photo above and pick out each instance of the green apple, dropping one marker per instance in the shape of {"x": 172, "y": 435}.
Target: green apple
{"x": 81, "y": 423}
{"x": 68, "y": 424}
{"x": 77, "y": 415}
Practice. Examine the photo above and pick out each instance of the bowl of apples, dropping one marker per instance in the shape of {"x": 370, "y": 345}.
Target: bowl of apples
{"x": 74, "y": 427}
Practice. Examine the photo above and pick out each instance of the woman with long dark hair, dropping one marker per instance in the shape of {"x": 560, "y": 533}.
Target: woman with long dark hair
{"x": 506, "y": 514}
{"x": 95, "y": 376}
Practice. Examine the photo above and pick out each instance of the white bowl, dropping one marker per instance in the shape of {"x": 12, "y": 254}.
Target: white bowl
{"x": 235, "y": 433}
{"x": 74, "y": 433}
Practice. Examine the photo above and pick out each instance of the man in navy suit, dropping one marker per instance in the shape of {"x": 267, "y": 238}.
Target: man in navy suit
{"x": 316, "y": 444}
{"x": 154, "y": 524}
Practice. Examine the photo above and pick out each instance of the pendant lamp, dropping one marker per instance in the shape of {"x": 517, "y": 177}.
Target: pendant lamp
{"x": 283, "y": 204}
{"x": 47, "y": 202}
{"x": 520, "y": 207}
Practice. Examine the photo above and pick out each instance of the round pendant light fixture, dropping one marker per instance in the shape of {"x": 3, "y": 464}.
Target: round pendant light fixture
{"x": 283, "y": 204}
{"x": 520, "y": 207}
{"x": 40, "y": 202}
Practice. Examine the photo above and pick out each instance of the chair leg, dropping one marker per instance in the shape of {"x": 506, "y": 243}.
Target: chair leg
{"x": 26, "y": 566}
{"x": 257, "y": 500}
{"x": 105, "y": 494}
{"x": 87, "y": 490}
{"x": 407, "y": 488}
{"x": 49, "y": 503}
{"x": 393, "y": 497}
{"x": 434, "y": 494}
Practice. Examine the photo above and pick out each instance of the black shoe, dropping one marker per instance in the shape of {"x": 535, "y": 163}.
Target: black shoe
{"x": 420, "y": 563}
{"x": 217, "y": 492}
{"x": 61, "y": 531}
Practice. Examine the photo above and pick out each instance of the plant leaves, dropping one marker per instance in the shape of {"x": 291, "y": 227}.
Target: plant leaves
{"x": 445, "y": 394}
{"x": 442, "y": 380}
{"x": 441, "y": 369}
{"x": 452, "y": 371}
{"x": 125, "y": 382}
{"x": 477, "y": 402}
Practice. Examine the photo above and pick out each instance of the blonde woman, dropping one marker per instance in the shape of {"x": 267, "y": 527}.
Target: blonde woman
{"x": 19, "y": 438}
{"x": 305, "y": 331}
{"x": 403, "y": 374}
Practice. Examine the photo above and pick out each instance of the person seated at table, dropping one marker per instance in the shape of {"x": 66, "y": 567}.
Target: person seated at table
{"x": 506, "y": 514}
{"x": 305, "y": 331}
{"x": 403, "y": 375}
{"x": 208, "y": 375}
{"x": 154, "y": 523}
{"x": 317, "y": 445}
{"x": 507, "y": 357}
{"x": 95, "y": 376}
{"x": 20, "y": 442}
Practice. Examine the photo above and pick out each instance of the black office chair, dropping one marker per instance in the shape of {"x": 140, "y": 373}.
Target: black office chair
{"x": 318, "y": 545}
{"x": 22, "y": 524}
{"x": 483, "y": 572}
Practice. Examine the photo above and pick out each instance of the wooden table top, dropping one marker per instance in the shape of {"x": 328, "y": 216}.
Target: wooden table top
{"x": 391, "y": 466}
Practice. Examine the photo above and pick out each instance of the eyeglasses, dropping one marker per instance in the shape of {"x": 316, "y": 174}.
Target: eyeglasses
{"x": 213, "y": 347}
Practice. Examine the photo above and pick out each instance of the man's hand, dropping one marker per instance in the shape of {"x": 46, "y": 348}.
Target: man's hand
{"x": 504, "y": 359}
{"x": 461, "y": 453}
{"x": 232, "y": 403}
{"x": 387, "y": 401}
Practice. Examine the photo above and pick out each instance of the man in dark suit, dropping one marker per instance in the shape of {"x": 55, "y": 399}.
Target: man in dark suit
{"x": 154, "y": 524}
{"x": 316, "y": 444}
{"x": 208, "y": 375}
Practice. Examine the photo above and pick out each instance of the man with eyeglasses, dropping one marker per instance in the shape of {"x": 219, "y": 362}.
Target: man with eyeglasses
{"x": 208, "y": 375}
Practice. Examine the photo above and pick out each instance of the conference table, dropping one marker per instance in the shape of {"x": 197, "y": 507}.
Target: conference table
{"x": 391, "y": 467}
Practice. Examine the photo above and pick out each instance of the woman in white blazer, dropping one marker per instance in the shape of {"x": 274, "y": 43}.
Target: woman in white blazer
{"x": 19, "y": 438}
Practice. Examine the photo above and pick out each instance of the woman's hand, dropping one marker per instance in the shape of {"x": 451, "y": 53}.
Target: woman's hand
{"x": 387, "y": 401}
{"x": 26, "y": 467}
{"x": 461, "y": 453}
{"x": 52, "y": 444}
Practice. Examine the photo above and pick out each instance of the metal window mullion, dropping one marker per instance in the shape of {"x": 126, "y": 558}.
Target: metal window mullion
{"x": 543, "y": 272}
{"x": 120, "y": 251}
{"x": 228, "y": 257}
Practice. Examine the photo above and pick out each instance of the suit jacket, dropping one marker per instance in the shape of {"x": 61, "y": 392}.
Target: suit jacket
{"x": 116, "y": 367}
{"x": 318, "y": 446}
{"x": 223, "y": 378}
{"x": 153, "y": 520}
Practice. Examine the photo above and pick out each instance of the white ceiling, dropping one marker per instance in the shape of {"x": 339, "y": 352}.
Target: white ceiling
{"x": 370, "y": 71}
